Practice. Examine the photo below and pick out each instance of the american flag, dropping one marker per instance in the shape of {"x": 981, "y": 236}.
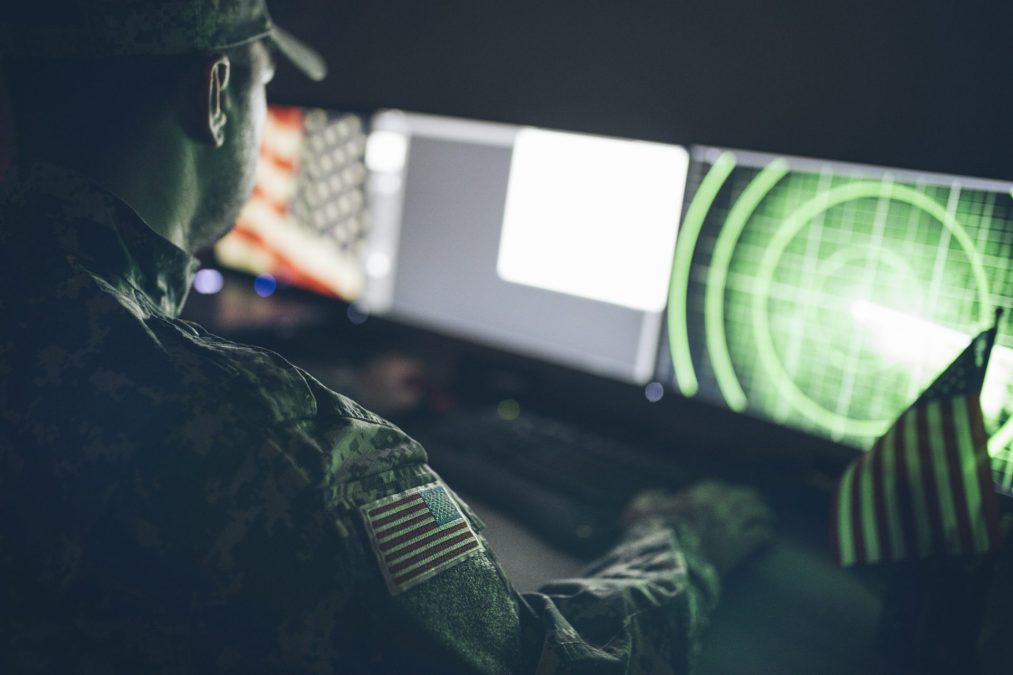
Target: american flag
{"x": 418, "y": 534}
{"x": 925, "y": 487}
{"x": 307, "y": 217}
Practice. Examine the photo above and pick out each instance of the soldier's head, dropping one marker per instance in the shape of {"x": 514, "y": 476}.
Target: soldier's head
{"x": 161, "y": 100}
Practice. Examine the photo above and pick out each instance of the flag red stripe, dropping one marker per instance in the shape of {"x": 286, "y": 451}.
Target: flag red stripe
{"x": 291, "y": 116}
{"x": 929, "y": 480}
{"x": 879, "y": 502}
{"x": 424, "y": 542}
{"x": 391, "y": 543}
{"x": 286, "y": 164}
{"x": 408, "y": 523}
{"x": 286, "y": 270}
{"x": 266, "y": 198}
{"x": 988, "y": 500}
{"x": 437, "y": 562}
{"x": 414, "y": 508}
{"x": 393, "y": 505}
{"x": 905, "y": 503}
{"x": 856, "y": 510}
{"x": 422, "y": 555}
{"x": 956, "y": 477}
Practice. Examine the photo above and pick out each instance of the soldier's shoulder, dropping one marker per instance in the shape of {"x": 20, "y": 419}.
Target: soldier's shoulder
{"x": 365, "y": 451}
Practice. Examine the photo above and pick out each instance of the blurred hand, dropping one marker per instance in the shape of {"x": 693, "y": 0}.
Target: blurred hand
{"x": 731, "y": 522}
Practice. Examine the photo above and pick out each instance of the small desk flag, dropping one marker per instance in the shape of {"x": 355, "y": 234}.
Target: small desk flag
{"x": 925, "y": 487}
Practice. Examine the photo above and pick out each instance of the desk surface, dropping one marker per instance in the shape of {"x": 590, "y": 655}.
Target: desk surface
{"x": 790, "y": 610}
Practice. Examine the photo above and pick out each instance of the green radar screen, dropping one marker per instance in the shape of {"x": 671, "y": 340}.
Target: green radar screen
{"x": 827, "y": 297}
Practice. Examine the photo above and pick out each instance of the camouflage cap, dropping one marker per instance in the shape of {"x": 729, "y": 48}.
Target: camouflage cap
{"x": 66, "y": 28}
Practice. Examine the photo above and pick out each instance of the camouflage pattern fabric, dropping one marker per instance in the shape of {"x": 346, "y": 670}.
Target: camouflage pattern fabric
{"x": 177, "y": 503}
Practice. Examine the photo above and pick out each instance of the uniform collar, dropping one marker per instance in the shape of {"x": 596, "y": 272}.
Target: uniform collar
{"x": 102, "y": 232}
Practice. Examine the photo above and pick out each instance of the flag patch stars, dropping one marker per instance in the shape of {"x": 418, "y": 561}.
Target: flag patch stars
{"x": 418, "y": 534}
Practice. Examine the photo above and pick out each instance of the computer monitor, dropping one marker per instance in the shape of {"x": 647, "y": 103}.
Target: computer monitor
{"x": 550, "y": 244}
{"x": 819, "y": 295}
{"x": 826, "y": 296}
{"x": 307, "y": 218}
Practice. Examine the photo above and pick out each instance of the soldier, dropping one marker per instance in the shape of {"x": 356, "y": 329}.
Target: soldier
{"x": 176, "y": 503}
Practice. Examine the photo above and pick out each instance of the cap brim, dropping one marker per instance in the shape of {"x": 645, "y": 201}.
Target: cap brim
{"x": 304, "y": 57}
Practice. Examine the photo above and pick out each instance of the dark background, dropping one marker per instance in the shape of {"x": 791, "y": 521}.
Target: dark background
{"x": 922, "y": 85}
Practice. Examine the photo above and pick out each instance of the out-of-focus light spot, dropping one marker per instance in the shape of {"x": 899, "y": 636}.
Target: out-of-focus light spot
{"x": 378, "y": 264}
{"x": 910, "y": 339}
{"x": 584, "y": 531}
{"x": 654, "y": 391}
{"x": 208, "y": 281}
{"x": 265, "y": 285}
{"x": 386, "y": 151}
{"x": 357, "y": 315}
{"x": 316, "y": 119}
{"x": 904, "y": 337}
{"x": 508, "y": 409}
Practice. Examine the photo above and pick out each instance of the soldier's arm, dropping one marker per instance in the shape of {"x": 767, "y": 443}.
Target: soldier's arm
{"x": 639, "y": 609}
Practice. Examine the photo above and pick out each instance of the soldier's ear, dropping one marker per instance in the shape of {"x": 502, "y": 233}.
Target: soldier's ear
{"x": 216, "y": 78}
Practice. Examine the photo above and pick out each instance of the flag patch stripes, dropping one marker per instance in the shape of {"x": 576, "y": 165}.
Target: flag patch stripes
{"x": 418, "y": 534}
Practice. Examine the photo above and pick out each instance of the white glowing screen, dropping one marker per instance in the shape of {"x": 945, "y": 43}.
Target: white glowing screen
{"x": 593, "y": 217}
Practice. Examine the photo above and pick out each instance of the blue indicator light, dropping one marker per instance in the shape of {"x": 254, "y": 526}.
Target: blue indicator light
{"x": 265, "y": 285}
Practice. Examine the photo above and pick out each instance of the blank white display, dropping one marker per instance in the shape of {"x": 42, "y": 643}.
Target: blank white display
{"x": 592, "y": 217}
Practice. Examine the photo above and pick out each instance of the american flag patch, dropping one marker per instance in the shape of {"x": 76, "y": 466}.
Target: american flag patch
{"x": 417, "y": 534}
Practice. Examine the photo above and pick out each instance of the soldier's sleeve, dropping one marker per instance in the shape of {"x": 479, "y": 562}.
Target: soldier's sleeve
{"x": 433, "y": 593}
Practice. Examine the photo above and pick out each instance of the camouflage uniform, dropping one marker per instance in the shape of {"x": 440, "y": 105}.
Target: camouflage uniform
{"x": 177, "y": 503}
